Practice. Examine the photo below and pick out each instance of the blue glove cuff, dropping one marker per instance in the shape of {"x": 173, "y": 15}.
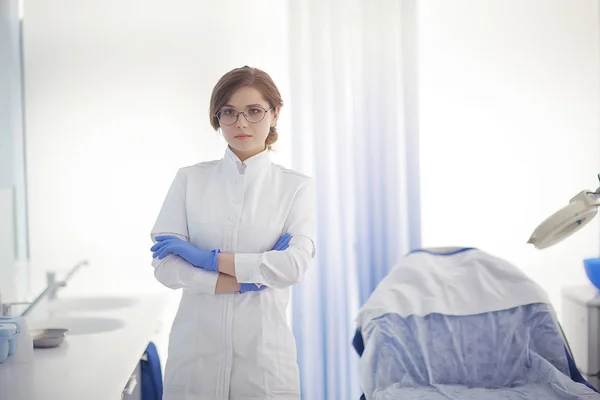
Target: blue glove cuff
{"x": 251, "y": 287}
{"x": 245, "y": 287}
{"x": 214, "y": 264}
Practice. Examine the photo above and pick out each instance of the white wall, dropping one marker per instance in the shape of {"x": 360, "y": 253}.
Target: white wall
{"x": 117, "y": 97}
{"x": 509, "y": 127}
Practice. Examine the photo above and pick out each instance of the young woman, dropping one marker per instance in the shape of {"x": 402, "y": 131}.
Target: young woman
{"x": 235, "y": 234}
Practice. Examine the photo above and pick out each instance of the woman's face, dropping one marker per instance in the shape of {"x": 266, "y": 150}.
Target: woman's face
{"x": 246, "y": 136}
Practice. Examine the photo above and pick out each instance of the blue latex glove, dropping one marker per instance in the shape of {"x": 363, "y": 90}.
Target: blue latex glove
{"x": 281, "y": 244}
{"x": 251, "y": 287}
{"x": 173, "y": 245}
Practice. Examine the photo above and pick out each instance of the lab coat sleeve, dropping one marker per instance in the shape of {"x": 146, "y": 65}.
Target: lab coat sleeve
{"x": 173, "y": 271}
{"x": 281, "y": 269}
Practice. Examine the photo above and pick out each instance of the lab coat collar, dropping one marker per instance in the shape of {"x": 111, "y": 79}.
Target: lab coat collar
{"x": 253, "y": 165}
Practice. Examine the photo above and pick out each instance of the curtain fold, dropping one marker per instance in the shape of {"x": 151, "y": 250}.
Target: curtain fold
{"x": 354, "y": 131}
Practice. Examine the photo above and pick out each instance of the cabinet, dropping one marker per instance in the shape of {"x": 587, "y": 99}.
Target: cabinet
{"x": 581, "y": 325}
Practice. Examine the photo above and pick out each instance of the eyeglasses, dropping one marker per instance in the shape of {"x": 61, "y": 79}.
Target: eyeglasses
{"x": 229, "y": 116}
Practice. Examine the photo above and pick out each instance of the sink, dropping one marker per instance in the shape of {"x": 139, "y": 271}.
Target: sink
{"x": 79, "y": 325}
{"x": 91, "y": 303}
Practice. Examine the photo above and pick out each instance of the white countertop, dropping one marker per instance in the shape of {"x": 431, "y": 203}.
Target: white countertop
{"x": 87, "y": 366}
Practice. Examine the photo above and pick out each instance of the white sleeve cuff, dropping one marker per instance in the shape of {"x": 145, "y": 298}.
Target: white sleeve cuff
{"x": 204, "y": 281}
{"x": 247, "y": 267}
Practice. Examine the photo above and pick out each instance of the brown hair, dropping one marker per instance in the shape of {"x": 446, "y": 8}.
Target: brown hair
{"x": 240, "y": 77}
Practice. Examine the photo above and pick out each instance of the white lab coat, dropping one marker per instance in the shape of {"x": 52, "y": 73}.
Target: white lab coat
{"x": 235, "y": 346}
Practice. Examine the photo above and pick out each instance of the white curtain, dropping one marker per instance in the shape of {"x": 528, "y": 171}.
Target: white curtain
{"x": 354, "y": 113}
{"x": 14, "y": 249}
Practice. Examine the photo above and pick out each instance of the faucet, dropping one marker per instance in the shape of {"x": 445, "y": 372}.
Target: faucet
{"x": 45, "y": 292}
{"x": 50, "y": 291}
{"x": 6, "y": 308}
{"x": 51, "y": 279}
{"x": 74, "y": 269}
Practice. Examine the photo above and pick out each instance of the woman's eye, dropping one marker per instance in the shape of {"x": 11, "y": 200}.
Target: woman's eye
{"x": 227, "y": 111}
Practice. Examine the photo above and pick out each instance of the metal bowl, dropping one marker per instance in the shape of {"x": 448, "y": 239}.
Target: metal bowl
{"x": 48, "y": 338}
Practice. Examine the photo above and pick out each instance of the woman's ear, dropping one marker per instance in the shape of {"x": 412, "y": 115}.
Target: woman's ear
{"x": 275, "y": 116}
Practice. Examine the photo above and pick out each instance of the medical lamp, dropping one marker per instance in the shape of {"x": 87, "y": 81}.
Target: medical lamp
{"x": 581, "y": 209}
